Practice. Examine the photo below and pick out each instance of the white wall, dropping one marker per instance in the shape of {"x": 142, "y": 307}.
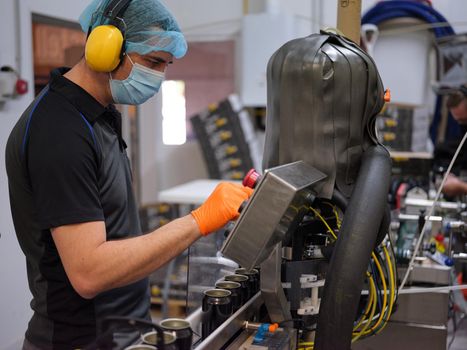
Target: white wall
{"x": 14, "y": 293}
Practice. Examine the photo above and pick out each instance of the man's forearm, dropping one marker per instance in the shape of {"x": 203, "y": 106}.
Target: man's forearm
{"x": 118, "y": 263}
{"x": 94, "y": 264}
{"x": 463, "y": 188}
{"x": 454, "y": 186}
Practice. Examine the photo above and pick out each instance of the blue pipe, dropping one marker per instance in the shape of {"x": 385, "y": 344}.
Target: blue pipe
{"x": 387, "y": 10}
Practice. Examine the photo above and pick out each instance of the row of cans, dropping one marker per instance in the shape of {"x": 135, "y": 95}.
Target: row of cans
{"x": 229, "y": 295}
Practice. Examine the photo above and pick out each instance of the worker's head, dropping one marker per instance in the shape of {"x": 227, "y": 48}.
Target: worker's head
{"x": 457, "y": 104}
{"x": 152, "y": 38}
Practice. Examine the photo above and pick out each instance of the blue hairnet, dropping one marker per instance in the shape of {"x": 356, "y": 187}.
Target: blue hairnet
{"x": 149, "y": 26}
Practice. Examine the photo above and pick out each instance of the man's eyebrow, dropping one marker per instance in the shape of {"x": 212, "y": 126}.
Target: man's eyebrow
{"x": 160, "y": 59}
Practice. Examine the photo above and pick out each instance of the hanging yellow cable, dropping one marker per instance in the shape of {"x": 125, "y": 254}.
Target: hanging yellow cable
{"x": 368, "y": 306}
{"x": 373, "y": 309}
{"x": 324, "y": 222}
{"x": 374, "y": 301}
{"x": 385, "y": 296}
{"x": 336, "y": 214}
{"x": 306, "y": 345}
{"x": 392, "y": 282}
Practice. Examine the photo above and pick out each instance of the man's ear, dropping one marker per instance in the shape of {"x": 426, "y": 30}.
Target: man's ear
{"x": 120, "y": 64}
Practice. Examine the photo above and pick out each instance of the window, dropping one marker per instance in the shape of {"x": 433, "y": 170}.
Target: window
{"x": 173, "y": 112}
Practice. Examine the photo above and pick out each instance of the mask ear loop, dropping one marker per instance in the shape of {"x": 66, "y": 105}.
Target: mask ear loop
{"x": 132, "y": 63}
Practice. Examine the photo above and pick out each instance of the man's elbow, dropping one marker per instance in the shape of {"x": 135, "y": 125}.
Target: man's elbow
{"x": 85, "y": 286}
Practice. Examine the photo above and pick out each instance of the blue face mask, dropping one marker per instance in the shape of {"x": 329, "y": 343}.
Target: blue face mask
{"x": 142, "y": 84}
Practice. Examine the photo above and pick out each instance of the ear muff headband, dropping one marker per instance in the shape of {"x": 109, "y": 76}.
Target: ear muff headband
{"x": 105, "y": 45}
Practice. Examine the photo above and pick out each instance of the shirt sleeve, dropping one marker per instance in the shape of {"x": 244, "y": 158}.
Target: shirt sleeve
{"x": 63, "y": 167}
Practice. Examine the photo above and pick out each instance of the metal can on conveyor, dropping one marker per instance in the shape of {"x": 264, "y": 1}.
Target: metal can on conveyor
{"x": 216, "y": 308}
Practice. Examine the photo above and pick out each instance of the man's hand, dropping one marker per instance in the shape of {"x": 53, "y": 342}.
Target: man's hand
{"x": 454, "y": 186}
{"x": 221, "y": 206}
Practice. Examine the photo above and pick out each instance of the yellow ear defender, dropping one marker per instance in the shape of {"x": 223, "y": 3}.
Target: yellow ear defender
{"x": 105, "y": 45}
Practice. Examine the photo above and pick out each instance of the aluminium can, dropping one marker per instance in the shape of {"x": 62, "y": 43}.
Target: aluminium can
{"x": 216, "y": 308}
{"x": 182, "y": 330}
{"x": 151, "y": 338}
{"x": 253, "y": 278}
{"x": 245, "y": 285}
{"x": 140, "y": 347}
{"x": 237, "y": 294}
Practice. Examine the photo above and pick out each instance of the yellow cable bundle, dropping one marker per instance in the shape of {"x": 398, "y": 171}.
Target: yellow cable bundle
{"x": 368, "y": 306}
{"x": 392, "y": 283}
{"x": 385, "y": 296}
{"x": 306, "y": 345}
{"x": 373, "y": 309}
{"x": 372, "y": 300}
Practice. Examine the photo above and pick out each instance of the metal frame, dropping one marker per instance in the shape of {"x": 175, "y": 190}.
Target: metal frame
{"x": 230, "y": 327}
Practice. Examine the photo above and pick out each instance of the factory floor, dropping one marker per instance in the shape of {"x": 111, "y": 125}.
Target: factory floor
{"x": 458, "y": 338}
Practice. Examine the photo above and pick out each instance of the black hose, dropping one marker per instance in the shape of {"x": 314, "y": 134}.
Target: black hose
{"x": 384, "y": 227}
{"x": 341, "y": 201}
{"x": 356, "y": 240}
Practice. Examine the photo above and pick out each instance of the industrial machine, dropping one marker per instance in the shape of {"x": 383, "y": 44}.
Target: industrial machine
{"x": 319, "y": 212}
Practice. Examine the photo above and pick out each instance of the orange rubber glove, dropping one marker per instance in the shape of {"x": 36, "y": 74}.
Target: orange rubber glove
{"x": 221, "y": 206}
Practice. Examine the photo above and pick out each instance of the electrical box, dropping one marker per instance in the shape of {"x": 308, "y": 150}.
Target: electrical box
{"x": 276, "y": 207}
{"x": 7, "y": 85}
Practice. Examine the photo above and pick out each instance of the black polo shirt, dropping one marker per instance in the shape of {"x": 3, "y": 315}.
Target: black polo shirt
{"x": 66, "y": 164}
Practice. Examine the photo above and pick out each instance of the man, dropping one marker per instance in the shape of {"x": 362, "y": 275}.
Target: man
{"x": 70, "y": 187}
{"x": 457, "y": 105}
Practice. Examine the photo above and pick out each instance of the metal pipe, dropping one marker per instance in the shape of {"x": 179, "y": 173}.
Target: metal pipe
{"x": 166, "y": 289}
{"x": 349, "y": 18}
{"x": 246, "y": 7}
{"x": 432, "y": 289}
{"x": 18, "y": 37}
{"x": 460, "y": 256}
{"x": 421, "y": 290}
{"x": 417, "y": 202}
{"x": 413, "y": 217}
{"x": 255, "y": 325}
{"x": 450, "y": 252}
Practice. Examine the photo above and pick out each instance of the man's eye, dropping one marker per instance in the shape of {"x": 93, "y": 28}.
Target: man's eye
{"x": 155, "y": 62}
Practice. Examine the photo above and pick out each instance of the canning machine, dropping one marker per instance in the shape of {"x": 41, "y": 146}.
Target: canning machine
{"x": 316, "y": 223}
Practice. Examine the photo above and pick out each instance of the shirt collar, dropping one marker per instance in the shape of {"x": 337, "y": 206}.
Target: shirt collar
{"x": 79, "y": 98}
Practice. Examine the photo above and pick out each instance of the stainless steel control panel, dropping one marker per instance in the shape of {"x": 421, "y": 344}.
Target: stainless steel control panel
{"x": 275, "y": 208}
